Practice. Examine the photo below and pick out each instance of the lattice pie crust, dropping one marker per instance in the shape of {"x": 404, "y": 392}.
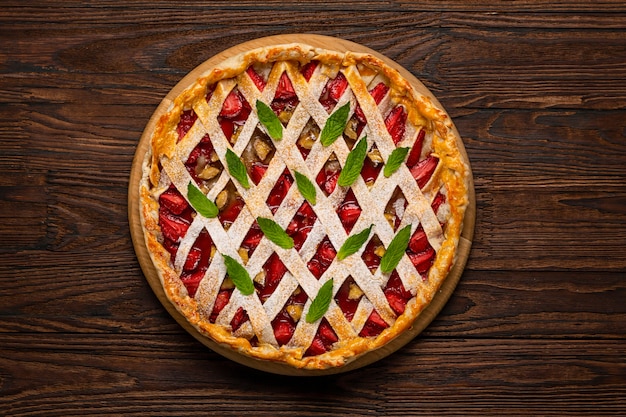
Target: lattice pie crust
{"x": 434, "y": 209}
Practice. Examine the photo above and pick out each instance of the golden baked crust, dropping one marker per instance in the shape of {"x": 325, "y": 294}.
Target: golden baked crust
{"x": 163, "y": 167}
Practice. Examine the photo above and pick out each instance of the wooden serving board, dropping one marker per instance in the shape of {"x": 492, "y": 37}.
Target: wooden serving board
{"x": 421, "y": 322}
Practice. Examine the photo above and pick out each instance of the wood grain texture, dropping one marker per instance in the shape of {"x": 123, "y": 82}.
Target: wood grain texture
{"x": 536, "y": 324}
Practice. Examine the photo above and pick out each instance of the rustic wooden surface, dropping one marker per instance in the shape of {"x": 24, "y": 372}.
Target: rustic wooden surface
{"x": 537, "y": 325}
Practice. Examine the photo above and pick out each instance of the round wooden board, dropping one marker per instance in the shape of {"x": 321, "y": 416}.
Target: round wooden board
{"x": 421, "y": 322}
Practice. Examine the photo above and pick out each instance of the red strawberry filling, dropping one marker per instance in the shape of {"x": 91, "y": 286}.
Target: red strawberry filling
{"x": 369, "y": 256}
{"x": 396, "y": 295}
{"x": 328, "y": 176}
{"x": 322, "y": 259}
{"x": 274, "y": 269}
{"x": 223, "y": 296}
{"x": 278, "y": 193}
{"x": 349, "y": 211}
{"x": 373, "y": 326}
{"x": 377, "y": 93}
{"x": 173, "y": 201}
{"x": 231, "y": 209}
{"x": 256, "y": 78}
{"x": 256, "y": 172}
{"x": 187, "y": 119}
{"x": 396, "y": 123}
{"x": 308, "y": 69}
{"x": 333, "y": 91}
{"x": 234, "y": 113}
{"x": 423, "y": 170}
{"x": 301, "y": 224}
{"x": 285, "y": 99}
{"x": 347, "y": 298}
{"x": 370, "y": 171}
{"x": 197, "y": 263}
{"x": 323, "y": 340}
{"x": 416, "y": 151}
{"x": 283, "y": 326}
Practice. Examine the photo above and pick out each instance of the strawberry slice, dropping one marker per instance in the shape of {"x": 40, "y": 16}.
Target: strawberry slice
{"x": 423, "y": 260}
{"x": 395, "y": 123}
{"x": 327, "y": 180}
{"x": 192, "y": 281}
{"x": 369, "y": 257}
{"x": 424, "y": 170}
{"x": 283, "y": 330}
{"x": 349, "y": 211}
{"x": 285, "y": 90}
{"x": 256, "y": 78}
{"x": 308, "y": 69}
{"x": 396, "y": 302}
{"x": 307, "y": 215}
{"x": 253, "y": 237}
{"x": 416, "y": 150}
{"x": 231, "y": 211}
{"x": 173, "y": 201}
{"x": 348, "y": 306}
{"x": 232, "y": 105}
{"x": 257, "y": 170}
{"x": 193, "y": 260}
{"x": 373, "y": 326}
{"x": 327, "y": 334}
{"x": 187, "y": 119}
{"x": 317, "y": 347}
{"x": 173, "y": 227}
{"x": 438, "y": 201}
{"x": 336, "y": 87}
{"x": 370, "y": 172}
{"x": 322, "y": 259}
{"x": 278, "y": 193}
{"x": 171, "y": 247}
{"x": 220, "y": 302}
{"x": 239, "y": 318}
{"x": 419, "y": 241}
{"x": 315, "y": 267}
{"x": 326, "y": 253}
{"x": 228, "y": 127}
{"x": 274, "y": 271}
{"x": 396, "y": 294}
{"x": 378, "y": 93}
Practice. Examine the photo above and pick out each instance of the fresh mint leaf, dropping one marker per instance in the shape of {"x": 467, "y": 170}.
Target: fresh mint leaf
{"x": 321, "y": 302}
{"x": 236, "y": 168}
{"x": 354, "y": 164}
{"x": 239, "y": 275}
{"x": 335, "y": 125}
{"x": 353, "y": 243}
{"x": 268, "y": 118}
{"x": 306, "y": 187}
{"x": 395, "y": 160}
{"x": 200, "y": 202}
{"x": 275, "y": 233}
{"x": 396, "y": 250}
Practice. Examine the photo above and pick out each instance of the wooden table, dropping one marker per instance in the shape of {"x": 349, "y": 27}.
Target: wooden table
{"x": 537, "y": 323}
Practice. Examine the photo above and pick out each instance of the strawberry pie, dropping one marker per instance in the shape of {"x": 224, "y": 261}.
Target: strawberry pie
{"x": 302, "y": 205}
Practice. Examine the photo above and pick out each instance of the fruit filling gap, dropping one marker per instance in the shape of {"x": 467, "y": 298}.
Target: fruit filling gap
{"x": 365, "y": 300}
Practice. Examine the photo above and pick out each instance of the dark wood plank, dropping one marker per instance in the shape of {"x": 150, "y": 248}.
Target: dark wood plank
{"x": 470, "y": 60}
{"x": 145, "y": 374}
